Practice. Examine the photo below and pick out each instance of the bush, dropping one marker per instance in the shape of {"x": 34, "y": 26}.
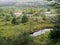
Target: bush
{"x": 24, "y": 19}
{"x": 14, "y": 21}
{"x": 8, "y": 18}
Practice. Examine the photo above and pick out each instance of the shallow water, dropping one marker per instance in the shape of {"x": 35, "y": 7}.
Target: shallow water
{"x": 40, "y": 32}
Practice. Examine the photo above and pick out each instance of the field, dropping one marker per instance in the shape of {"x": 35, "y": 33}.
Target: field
{"x": 15, "y": 29}
{"x": 29, "y": 22}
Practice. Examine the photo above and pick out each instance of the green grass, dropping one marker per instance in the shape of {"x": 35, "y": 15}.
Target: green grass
{"x": 9, "y": 30}
{"x": 12, "y": 30}
{"x": 42, "y": 39}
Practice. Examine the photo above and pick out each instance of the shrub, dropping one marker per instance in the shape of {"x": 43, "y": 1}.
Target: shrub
{"x": 14, "y": 21}
{"x": 7, "y": 17}
{"x": 24, "y": 19}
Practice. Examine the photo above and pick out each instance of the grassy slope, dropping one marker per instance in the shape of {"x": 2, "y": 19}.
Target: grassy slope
{"x": 10, "y": 30}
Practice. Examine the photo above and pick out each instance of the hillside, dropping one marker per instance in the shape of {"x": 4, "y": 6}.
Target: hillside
{"x": 25, "y": 4}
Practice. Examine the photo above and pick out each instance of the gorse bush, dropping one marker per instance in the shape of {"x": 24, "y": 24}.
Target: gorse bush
{"x": 8, "y": 18}
{"x": 24, "y": 19}
{"x": 14, "y": 21}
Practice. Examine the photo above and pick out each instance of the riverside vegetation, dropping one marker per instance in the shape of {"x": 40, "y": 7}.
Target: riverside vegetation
{"x": 16, "y": 30}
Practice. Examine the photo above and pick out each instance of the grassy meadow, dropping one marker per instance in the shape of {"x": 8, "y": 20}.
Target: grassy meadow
{"x": 16, "y": 30}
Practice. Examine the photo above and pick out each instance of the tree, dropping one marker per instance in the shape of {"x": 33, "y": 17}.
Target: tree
{"x": 8, "y": 18}
{"x": 14, "y": 21}
{"x": 24, "y": 19}
{"x": 12, "y": 13}
{"x": 55, "y": 33}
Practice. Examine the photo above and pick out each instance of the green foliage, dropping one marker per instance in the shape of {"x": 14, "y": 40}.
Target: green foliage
{"x": 14, "y": 21}
{"x": 42, "y": 39}
{"x": 12, "y": 13}
{"x": 8, "y": 18}
{"x": 24, "y": 39}
{"x": 55, "y": 34}
{"x": 9, "y": 33}
{"x": 24, "y": 19}
{"x": 21, "y": 39}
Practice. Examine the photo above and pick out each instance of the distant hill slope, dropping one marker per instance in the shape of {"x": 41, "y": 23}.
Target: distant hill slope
{"x": 25, "y": 4}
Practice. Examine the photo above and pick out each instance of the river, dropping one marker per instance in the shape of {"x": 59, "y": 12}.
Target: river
{"x": 40, "y": 32}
